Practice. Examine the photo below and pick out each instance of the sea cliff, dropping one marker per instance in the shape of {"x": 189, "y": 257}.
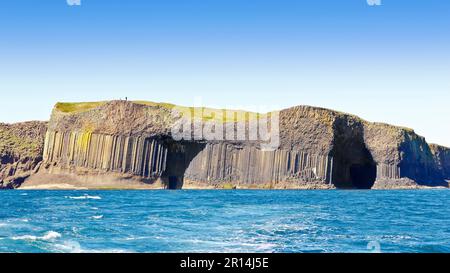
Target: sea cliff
{"x": 123, "y": 144}
{"x": 21, "y": 149}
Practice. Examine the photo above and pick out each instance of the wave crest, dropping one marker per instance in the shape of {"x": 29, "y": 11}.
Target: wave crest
{"x": 49, "y": 236}
{"x": 84, "y": 197}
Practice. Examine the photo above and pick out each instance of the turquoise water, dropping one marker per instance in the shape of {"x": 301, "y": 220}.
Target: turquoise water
{"x": 225, "y": 221}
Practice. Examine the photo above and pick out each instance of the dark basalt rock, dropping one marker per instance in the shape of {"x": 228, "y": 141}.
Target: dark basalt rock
{"x": 319, "y": 148}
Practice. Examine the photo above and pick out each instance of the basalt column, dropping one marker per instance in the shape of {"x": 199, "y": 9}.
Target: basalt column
{"x": 138, "y": 156}
{"x": 217, "y": 164}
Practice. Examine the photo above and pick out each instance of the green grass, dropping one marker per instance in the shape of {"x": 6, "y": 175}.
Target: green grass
{"x": 74, "y": 107}
{"x": 203, "y": 113}
{"x": 206, "y": 114}
{"x": 155, "y": 104}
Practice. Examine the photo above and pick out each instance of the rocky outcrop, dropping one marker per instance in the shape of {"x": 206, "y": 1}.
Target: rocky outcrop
{"x": 120, "y": 144}
{"x": 21, "y": 147}
{"x": 442, "y": 159}
{"x": 403, "y": 158}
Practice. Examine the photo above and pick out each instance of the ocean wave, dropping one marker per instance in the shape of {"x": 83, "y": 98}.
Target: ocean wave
{"x": 14, "y": 223}
{"x": 75, "y": 247}
{"x": 97, "y": 217}
{"x": 132, "y": 238}
{"x": 49, "y": 236}
{"x": 84, "y": 197}
{"x": 255, "y": 229}
{"x": 432, "y": 248}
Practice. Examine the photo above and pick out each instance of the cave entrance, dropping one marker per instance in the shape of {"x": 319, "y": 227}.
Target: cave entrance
{"x": 355, "y": 172}
{"x": 354, "y": 166}
{"x": 179, "y": 157}
{"x": 363, "y": 176}
{"x": 173, "y": 183}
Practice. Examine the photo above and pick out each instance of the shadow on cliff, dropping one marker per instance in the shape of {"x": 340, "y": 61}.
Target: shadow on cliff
{"x": 354, "y": 166}
{"x": 180, "y": 155}
{"x": 419, "y": 165}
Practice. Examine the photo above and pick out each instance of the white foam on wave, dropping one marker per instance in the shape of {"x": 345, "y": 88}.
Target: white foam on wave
{"x": 68, "y": 247}
{"x": 132, "y": 238}
{"x": 13, "y": 223}
{"x": 84, "y": 197}
{"x": 97, "y": 217}
{"x": 75, "y": 247}
{"x": 49, "y": 236}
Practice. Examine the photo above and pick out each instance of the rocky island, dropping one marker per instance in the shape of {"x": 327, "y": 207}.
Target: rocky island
{"x": 131, "y": 145}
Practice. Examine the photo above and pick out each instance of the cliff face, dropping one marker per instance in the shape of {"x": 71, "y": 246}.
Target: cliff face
{"x": 442, "y": 159}
{"x": 318, "y": 148}
{"x": 403, "y": 158}
{"x": 21, "y": 147}
{"x": 132, "y": 142}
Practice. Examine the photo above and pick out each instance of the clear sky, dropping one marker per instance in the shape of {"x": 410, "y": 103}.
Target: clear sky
{"x": 388, "y": 63}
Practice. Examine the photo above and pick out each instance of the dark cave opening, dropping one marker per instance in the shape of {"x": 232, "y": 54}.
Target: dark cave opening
{"x": 363, "y": 176}
{"x": 179, "y": 157}
{"x": 354, "y": 166}
{"x": 354, "y": 172}
{"x": 173, "y": 183}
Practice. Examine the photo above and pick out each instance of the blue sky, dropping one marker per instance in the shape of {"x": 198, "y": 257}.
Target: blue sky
{"x": 388, "y": 63}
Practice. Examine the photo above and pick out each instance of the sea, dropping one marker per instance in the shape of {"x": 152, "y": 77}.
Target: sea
{"x": 222, "y": 221}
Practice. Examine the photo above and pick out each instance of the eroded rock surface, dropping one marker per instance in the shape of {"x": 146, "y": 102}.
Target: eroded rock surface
{"x": 111, "y": 144}
{"x": 21, "y": 147}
